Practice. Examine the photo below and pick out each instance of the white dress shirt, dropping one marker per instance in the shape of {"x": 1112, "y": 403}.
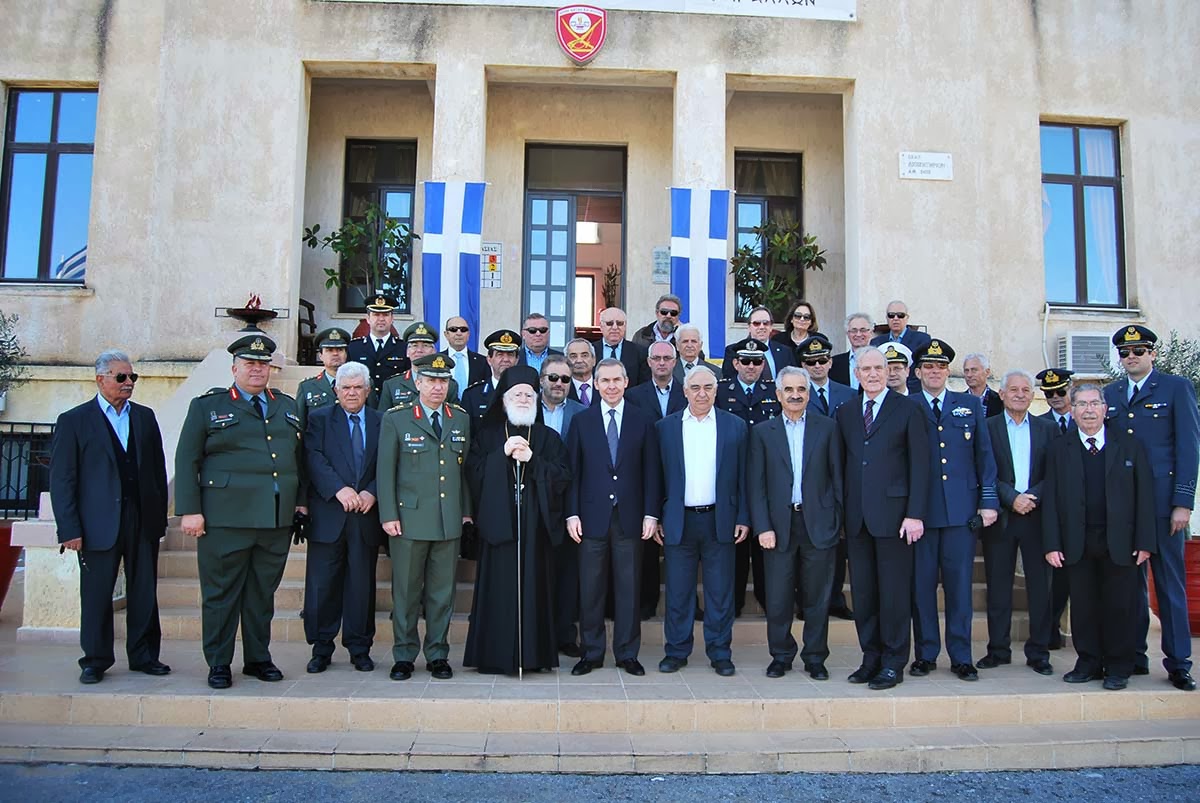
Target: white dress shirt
{"x": 1020, "y": 445}
{"x": 1099, "y": 436}
{"x": 795, "y": 436}
{"x": 699, "y": 459}
{"x": 878, "y": 402}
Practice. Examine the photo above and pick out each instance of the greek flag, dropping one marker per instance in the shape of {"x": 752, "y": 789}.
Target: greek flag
{"x": 450, "y": 252}
{"x": 699, "y": 260}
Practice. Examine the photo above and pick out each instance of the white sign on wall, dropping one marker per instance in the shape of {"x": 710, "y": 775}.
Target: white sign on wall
{"x": 491, "y": 266}
{"x": 926, "y": 166}
{"x": 661, "y": 272}
{"x": 842, "y": 10}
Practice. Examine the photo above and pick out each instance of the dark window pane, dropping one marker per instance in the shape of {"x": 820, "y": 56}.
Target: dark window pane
{"x": 23, "y": 244}
{"x": 1100, "y": 244}
{"x": 381, "y": 162}
{"x": 1097, "y": 152}
{"x": 77, "y": 117}
{"x": 767, "y": 175}
{"x": 71, "y": 201}
{"x": 1058, "y": 150}
{"x": 33, "y": 116}
{"x": 1058, "y": 226}
{"x": 579, "y": 169}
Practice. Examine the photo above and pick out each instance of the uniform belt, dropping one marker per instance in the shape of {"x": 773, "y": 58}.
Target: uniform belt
{"x": 796, "y": 508}
{"x": 700, "y": 508}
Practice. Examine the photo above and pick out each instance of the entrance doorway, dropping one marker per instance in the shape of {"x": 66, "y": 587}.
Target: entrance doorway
{"x": 574, "y": 236}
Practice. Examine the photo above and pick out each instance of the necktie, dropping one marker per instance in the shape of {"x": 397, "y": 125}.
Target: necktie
{"x": 612, "y": 352}
{"x": 1062, "y": 425}
{"x": 869, "y": 415}
{"x": 585, "y": 394}
{"x": 1091, "y": 442}
{"x": 258, "y": 406}
{"x": 1133, "y": 392}
{"x": 436, "y": 420}
{"x": 689, "y": 366}
{"x": 356, "y": 444}
{"x": 378, "y": 344}
{"x": 460, "y": 371}
{"x": 612, "y": 436}
{"x": 937, "y": 409}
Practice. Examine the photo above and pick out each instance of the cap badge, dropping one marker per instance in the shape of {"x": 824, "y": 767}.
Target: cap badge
{"x": 935, "y": 349}
{"x": 258, "y": 345}
{"x": 891, "y": 352}
{"x": 1132, "y": 334}
{"x": 1051, "y": 377}
{"x": 438, "y": 362}
{"x": 380, "y": 301}
{"x": 335, "y": 335}
{"x": 506, "y": 338}
{"x": 421, "y": 330}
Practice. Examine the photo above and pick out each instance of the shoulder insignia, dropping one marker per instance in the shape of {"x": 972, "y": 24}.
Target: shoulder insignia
{"x": 319, "y": 374}
{"x": 476, "y": 384}
{"x": 456, "y": 406}
{"x": 211, "y": 392}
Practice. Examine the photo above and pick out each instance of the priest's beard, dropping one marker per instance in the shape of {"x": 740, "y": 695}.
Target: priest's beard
{"x": 520, "y": 416}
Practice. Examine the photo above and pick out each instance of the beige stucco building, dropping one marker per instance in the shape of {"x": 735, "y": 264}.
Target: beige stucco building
{"x": 224, "y": 127}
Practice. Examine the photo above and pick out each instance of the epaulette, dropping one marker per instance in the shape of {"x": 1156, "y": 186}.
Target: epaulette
{"x": 401, "y": 406}
{"x": 211, "y": 391}
{"x": 284, "y": 395}
{"x": 476, "y": 384}
{"x": 320, "y": 374}
{"x": 456, "y": 406}
{"x": 360, "y": 339}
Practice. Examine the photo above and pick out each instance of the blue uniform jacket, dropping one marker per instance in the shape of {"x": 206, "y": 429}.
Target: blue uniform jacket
{"x": 962, "y": 472}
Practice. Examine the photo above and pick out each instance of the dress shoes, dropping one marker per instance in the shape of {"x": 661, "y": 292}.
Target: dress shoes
{"x": 1040, "y": 665}
{"x": 90, "y": 675}
{"x": 263, "y": 670}
{"x": 1114, "y": 683}
{"x": 220, "y": 677}
{"x": 1182, "y": 679}
{"x": 862, "y": 675}
{"x": 965, "y": 671}
{"x": 1141, "y": 670}
{"x": 401, "y": 670}
{"x": 585, "y": 666}
{"x": 671, "y": 664}
{"x": 724, "y": 667}
{"x": 362, "y": 663}
{"x": 841, "y": 612}
{"x": 817, "y": 671}
{"x": 886, "y": 679}
{"x": 990, "y": 661}
{"x": 317, "y": 664}
{"x": 570, "y": 649}
{"x": 1081, "y": 676}
{"x": 777, "y": 668}
{"x": 440, "y": 669}
{"x": 632, "y": 666}
{"x": 156, "y": 668}
{"x": 920, "y": 669}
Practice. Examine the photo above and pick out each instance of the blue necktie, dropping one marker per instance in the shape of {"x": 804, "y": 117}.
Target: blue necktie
{"x": 356, "y": 444}
{"x": 612, "y": 436}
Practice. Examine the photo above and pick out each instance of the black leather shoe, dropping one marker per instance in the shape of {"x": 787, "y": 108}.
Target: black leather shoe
{"x": 220, "y": 677}
{"x": 886, "y": 679}
{"x": 862, "y": 675}
{"x": 1041, "y": 666}
{"x": 571, "y": 650}
{"x": 1080, "y": 676}
{"x": 585, "y": 666}
{"x": 920, "y": 669}
{"x": 965, "y": 671}
{"x": 1141, "y": 670}
{"x": 90, "y": 675}
{"x": 990, "y": 661}
{"x": 841, "y": 612}
{"x": 362, "y": 663}
{"x": 632, "y": 666}
{"x": 440, "y": 669}
{"x": 724, "y": 668}
{"x": 263, "y": 670}
{"x": 156, "y": 668}
{"x": 401, "y": 670}
{"x": 317, "y": 664}
{"x": 817, "y": 671}
{"x": 671, "y": 664}
{"x": 1182, "y": 680}
{"x": 777, "y": 668}
{"x": 1114, "y": 683}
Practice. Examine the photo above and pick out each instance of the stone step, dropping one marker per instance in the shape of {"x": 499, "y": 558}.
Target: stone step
{"x": 919, "y": 749}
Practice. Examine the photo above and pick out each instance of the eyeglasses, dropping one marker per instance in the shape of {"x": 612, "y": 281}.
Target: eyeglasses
{"x": 1136, "y": 351}
{"x": 751, "y": 360}
{"x": 123, "y": 377}
{"x": 858, "y": 331}
{"x": 613, "y": 323}
{"x": 1092, "y": 403}
{"x": 537, "y": 330}
{"x": 670, "y": 313}
{"x": 1050, "y": 394}
{"x": 563, "y": 378}
{"x": 801, "y": 316}
{"x": 897, "y": 314}
{"x": 662, "y": 357}
{"x": 458, "y": 329}
{"x": 760, "y": 323}
{"x": 817, "y": 361}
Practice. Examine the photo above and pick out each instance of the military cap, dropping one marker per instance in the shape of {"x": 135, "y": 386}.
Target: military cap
{"x": 333, "y": 338}
{"x": 420, "y": 332}
{"x": 502, "y": 340}
{"x": 751, "y": 348}
{"x": 253, "y": 347}
{"x": 814, "y": 346}
{"x": 1135, "y": 336}
{"x": 934, "y": 351}
{"x": 381, "y": 303}
{"x": 897, "y": 352}
{"x": 436, "y": 366}
{"x": 1054, "y": 378}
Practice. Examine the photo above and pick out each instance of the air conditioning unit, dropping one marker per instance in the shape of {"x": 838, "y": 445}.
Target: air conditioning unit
{"x": 1086, "y": 353}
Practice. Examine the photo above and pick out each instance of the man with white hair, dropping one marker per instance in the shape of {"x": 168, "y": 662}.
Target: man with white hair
{"x": 858, "y": 333}
{"x": 977, "y": 370}
{"x": 690, "y": 345}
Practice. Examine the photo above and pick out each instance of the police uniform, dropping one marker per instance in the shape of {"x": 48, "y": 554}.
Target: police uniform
{"x": 317, "y": 392}
{"x": 401, "y": 388}
{"x": 241, "y": 469}
{"x": 1052, "y": 379}
{"x": 475, "y": 399}
{"x": 1160, "y": 412}
{"x": 962, "y": 481}
{"x": 383, "y": 363}
{"x": 761, "y": 402}
{"x": 420, "y": 481}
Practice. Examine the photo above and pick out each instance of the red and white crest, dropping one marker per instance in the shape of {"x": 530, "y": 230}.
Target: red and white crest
{"x": 581, "y": 31}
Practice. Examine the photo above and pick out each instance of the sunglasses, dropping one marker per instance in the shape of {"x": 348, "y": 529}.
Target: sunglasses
{"x": 1136, "y": 351}
{"x": 670, "y": 313}
{"x": 537, "y": 330}
{"x": 817, "y": 361}
{"x": 897, "y": 314}
{"x": 760, "y": 323}
{"x": 751, "y": 361}
{"x": 563, "y": 378}
{"x": 458, "y": 329}
{"x": 1050, "y": 394}
{"x": 802, "y": 316}
{"x": 613, "y": 323}
{"x": 123, "y": 377}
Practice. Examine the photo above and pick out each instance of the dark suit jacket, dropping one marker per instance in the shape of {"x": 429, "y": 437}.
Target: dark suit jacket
{"x": 770, "y": 474}
{"x": 573, "y": 394}
{"x": 331, "y": 468}
{"x": 731, "y": 463}
{"x": 887, "y": 469}
{"x": 1041, "y": 434}
{"x": 839, "y": 370}
{"x": 782, "y": 355}
{"x": 479, "y": 369}
{"x": 633, "y": 357}
{"x": 645, "y": 396}
{"x": 836, "y": 395}
{"x": 635, "y": 482}
{"x": 992, "y": 405}
{"x": 85, "y": 487}
{"x": 1128, "y": 496}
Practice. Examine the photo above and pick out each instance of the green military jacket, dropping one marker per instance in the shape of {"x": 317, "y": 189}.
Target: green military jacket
{"x": 402, "y": 389}
{"x": 229, "y": 461}
{"x": 313, "y": 394}
{"x": 421, "y": 479}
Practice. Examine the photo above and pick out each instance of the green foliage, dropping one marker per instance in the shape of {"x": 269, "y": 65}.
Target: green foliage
{"x": 12, "y": 372}
{"x": 1176, "y": 355}
{"x": 373, "y": 251}
{"x": 769, "y": 274}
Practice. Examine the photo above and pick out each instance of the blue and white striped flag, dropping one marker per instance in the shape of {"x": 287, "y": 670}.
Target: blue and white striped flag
{"x": 450, "y": 252}
{"x": 699, "y": 260}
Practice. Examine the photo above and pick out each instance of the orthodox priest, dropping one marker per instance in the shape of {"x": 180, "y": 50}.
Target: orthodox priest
{"x": 518, "y": 474}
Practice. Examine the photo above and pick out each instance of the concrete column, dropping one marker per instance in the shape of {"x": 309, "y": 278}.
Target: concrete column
{"x": 459, "y": 121}
{"x": 699, "y": 136}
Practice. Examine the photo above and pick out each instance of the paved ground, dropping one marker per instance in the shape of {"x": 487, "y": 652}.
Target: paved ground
{"x": 68, "y": 783}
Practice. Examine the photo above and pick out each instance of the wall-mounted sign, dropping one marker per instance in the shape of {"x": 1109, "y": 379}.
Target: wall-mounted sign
{"x": 661, "y": 272}
{"x": 581, "y": 31}
{"x": 491, "y": 266}
{"x": 926, "y": 166}
{"x": 840, "y": 10}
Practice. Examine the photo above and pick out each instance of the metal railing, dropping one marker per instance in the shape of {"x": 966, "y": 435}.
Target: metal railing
{"x": 24, "y": 467}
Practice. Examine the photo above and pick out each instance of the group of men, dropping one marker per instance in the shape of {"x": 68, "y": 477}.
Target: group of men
{"x": 593, "y": 477}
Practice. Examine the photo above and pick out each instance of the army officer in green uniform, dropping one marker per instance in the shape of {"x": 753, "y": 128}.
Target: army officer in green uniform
{"x": 423, "y": 503}
{"x": 317, "y": 391}
{"x": 402, "y": 388}
{"x": 237, "y": 472}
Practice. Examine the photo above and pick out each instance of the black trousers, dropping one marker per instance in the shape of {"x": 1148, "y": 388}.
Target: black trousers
{"x": 748, "y": 554}
{"x": 1103, "y": 612}
{"x": 621, "y": 557}
{"x": 651, "y": 576}
{"x": 566, "y": 592}
{"x": 881, "y": 572}
{"x": 339, "y": 589}
{"x": 837, "y": 595}
{"x": 813, "y": 567}
{"x": 1000, "y": 547}
{"x": 1060, "y": 594}
{"x": 97, "y": 579}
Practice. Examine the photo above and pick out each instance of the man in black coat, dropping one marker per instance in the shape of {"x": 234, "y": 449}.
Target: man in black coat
{"x": 108, "y": 486}
{"x": 613, "y": 344}
{"x": 344, "y": 535}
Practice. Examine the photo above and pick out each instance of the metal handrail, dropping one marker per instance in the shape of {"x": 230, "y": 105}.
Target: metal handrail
{"x": 24, "y": 467}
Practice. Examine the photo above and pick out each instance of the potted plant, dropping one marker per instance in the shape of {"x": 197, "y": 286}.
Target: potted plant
{"x": 770, "y": 272}
{"x": 611, "y": 288}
